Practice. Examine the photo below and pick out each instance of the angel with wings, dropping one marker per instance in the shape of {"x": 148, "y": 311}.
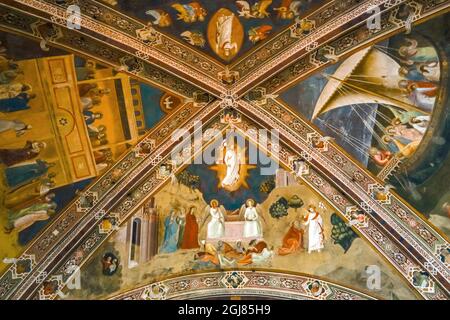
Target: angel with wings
{"x": 289, "y": 9}
{"x": 161, "y": 18}
{"x": 251, "y": 213}
{"x": 258, "y": 10}
{"x": 216, "y": 227}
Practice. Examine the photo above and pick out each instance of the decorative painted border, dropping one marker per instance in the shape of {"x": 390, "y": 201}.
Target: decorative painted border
{"x": 243, "y": 283}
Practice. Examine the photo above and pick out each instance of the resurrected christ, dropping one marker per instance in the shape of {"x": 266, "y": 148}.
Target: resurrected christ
{"x": 232, "y": 162}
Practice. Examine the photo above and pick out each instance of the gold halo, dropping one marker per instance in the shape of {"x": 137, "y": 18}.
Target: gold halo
{"x": 214, "y": 203}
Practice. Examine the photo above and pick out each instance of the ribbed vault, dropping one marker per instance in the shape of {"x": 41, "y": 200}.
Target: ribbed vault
{"x": 396, "y": 231}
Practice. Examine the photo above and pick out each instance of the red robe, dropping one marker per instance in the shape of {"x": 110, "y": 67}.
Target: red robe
{"x": 190, "y": 236}
{"x": 292, "y": 241}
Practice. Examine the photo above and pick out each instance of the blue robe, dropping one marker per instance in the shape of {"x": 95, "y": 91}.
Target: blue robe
{"x": 21, "y": 175}
{"x": 171, "y": 232}
{"x": 88, "y": 117}
{"x": 20, "y": 102}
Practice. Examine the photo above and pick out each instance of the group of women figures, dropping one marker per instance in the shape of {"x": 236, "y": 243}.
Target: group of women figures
{"x": 180, "y": 231}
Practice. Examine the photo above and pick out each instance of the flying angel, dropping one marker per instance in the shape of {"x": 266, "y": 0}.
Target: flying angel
{"x": 162, "y": 18}
{"x": 216, "y": 227}
{"x": 245, "y": 10}
{"x": 289, "y": 9}
{"x": 194, "y": 38}
{"x": 258, "y": 10}
{"x": 251, "y": 213}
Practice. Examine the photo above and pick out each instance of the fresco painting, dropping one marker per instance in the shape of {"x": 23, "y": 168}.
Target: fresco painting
{"x": 239, "y": 149}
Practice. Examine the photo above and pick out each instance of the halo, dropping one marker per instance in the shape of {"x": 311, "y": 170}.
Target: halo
{"x": 214, "y": 203}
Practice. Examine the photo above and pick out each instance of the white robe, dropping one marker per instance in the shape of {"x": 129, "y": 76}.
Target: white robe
{"x": 216, "y": 227}
{"x": 232, "y": 163}
{"x": 26, "y": 221}
{"x": 315, "y": 232}
{"x": 252, "y": 227}
{"x": 224, "y": 33}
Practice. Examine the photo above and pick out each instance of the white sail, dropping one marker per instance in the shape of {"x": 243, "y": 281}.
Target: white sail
{"x": 368, "y": 76}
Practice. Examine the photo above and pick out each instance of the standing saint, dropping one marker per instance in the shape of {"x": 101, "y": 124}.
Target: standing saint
{"x": 315, "y": 229}
{"x": 19, "y": 198}
{"x": 31, "y": 150}
{"x": 181, "y": 219}
{"x": 25, "y": 218}
{"x": 171, "y": 232}
{"x": 18, "y": 103}
{"x": 21, "y": 175}
{"x": 252, "y": 225}
{"x": 190, "y": 237}
{"x": 216, "y": 227}
{"x": 18, "y": 126}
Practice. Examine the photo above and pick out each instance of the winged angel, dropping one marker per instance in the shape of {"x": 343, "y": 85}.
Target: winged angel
{"x": 251, "y": 213}
{"x": 289, "y": 9}
{"x": 258, "y": 10}
{"x": 216, "y": 227}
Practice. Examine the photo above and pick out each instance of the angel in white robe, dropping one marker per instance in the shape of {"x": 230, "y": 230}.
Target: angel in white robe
{"x": 224, "y": 40}
{"x": 251, "y": 214}
{"x": 216, "y": 227}
{"x": 232, "y": 161}
{"x": 314, "y": 222}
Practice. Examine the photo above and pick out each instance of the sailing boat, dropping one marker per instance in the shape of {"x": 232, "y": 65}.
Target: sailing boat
{"x": 368, "y": 77}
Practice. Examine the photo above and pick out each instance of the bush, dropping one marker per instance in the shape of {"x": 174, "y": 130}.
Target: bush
{"x": 279, "y": 208}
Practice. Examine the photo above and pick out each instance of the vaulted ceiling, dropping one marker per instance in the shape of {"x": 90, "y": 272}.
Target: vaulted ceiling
{"x": 322, "y": 34}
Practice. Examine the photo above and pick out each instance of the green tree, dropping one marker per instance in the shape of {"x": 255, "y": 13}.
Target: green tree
{"x": 279, "y": 208}
{"x": 296, "y": 202}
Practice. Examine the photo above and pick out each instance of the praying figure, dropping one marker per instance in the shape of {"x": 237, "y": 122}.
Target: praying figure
{"x": 314, "y": 221}
{"x": 31, "y": 150}
{"x": 293, "y": 240}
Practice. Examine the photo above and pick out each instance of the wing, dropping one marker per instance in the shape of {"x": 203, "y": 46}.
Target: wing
{"x": 206, "y": 215}
{"x": 295, "y": 7}
{"x": 186, "y": 34}
{"x": 242, "y": 212}
{"x": 155, "y": 14}
{"x": 265, "y": 29}
{"x": 243, "y": 5}
{"x": 260, "y": 213}
{"x": 223, "y": 210}
{"x": 181, "y": 10}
